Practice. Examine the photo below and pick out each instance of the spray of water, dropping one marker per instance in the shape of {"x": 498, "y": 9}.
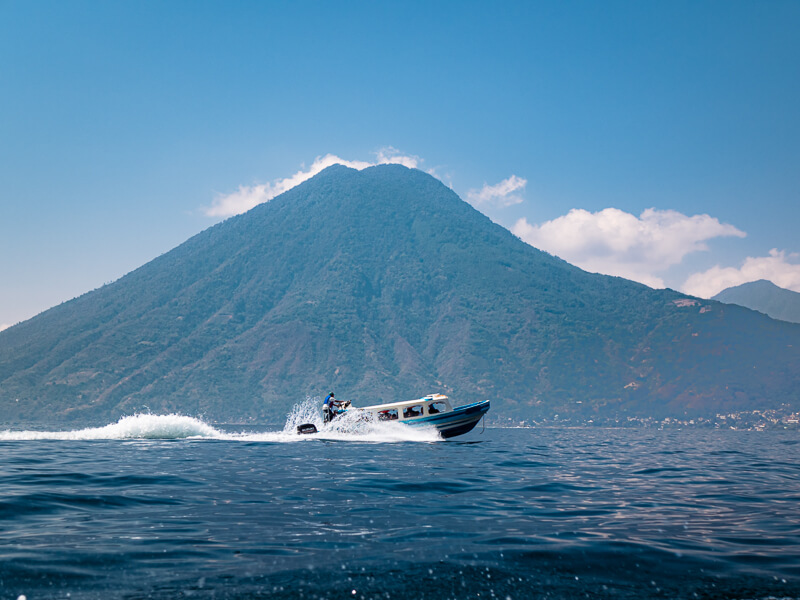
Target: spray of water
{"x": 352, "y": 426}
{"x": 308, "y": 411}
{"x": 134, "y": 427}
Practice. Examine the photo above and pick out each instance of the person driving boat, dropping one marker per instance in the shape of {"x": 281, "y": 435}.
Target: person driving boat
{"x": 331, "y": 408}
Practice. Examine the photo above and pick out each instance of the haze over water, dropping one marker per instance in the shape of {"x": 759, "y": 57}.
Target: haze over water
{"x": 169, "y": 507}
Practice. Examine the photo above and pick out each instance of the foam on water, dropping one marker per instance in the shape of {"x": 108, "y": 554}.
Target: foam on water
{"x": 348, "y": 427}
{"x": 134, "y": 427}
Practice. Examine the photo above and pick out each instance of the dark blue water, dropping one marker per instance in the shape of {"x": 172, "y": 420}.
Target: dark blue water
{"x": 512, "y": 513}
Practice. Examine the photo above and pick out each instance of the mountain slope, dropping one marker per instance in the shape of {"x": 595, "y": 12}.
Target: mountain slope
{"x": 766, "y": 297}
{"x": 382, "y": 284}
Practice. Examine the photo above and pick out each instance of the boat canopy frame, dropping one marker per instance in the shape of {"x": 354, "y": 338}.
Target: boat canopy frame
{"x": 427, "y": 400}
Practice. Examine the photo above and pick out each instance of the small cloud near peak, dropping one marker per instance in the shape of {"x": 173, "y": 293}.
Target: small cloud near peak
{"x": 393, "y": 156}
{"x": 247, "y": 197}
{"x": 500, "y": 194}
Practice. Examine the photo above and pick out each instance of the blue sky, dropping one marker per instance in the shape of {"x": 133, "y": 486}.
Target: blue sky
{"x": 654, "y": 140}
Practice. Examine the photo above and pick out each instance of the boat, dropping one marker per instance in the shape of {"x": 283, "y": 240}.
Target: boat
{"x": 434, "y": 410}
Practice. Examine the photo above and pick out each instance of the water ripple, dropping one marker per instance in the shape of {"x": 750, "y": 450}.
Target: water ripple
{"x": 556, "y": 513}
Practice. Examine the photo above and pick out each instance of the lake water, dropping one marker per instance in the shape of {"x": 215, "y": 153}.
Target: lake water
{"x": 168, "y": 507}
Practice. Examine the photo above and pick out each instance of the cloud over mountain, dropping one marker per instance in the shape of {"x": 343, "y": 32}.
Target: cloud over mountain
{"x": 777, "y": 268}
{"x": 501, "y": 194}
{"x": 246, "y": 197}
{"x": 614, "y": 242}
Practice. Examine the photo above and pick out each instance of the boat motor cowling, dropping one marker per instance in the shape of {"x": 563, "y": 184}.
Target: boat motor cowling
{"x": 306, "y": 428}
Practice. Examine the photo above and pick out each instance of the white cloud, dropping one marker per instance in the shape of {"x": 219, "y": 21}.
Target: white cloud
{"x": 776, "y": 268}
{"x": 501, "y": 194}
{"x": 614, "y": 242}
{"x": 392, "y": 156}
{"x": 246, "y": 197}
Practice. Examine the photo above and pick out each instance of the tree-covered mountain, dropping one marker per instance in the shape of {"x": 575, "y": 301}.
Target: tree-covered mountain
{"x": 383, "y": 285}
{"x": 766, "y": 297}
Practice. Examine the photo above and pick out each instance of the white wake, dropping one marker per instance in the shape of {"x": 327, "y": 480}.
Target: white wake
{"x": 348, "y": 427}
{"x": 135, "y": 427}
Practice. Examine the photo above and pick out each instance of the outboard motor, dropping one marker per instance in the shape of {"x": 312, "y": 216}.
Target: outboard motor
{"x": 306, "y": 428}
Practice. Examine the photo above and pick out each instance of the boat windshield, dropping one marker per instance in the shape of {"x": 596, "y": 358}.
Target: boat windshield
{"x": 434, "y": 408}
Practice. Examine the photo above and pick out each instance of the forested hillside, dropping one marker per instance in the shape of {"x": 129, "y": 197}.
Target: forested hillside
{"x": 383, "y": 285}
{"x": 766, "y": 297}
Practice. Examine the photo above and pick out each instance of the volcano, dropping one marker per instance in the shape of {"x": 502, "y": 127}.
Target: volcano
{"x": 382, "y": 285}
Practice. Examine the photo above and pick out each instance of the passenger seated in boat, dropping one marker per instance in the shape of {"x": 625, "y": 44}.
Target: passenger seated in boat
{"x": 412, "y": 411}
{"x": 432, "y": 410}
{"x": 388, "y": 415}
